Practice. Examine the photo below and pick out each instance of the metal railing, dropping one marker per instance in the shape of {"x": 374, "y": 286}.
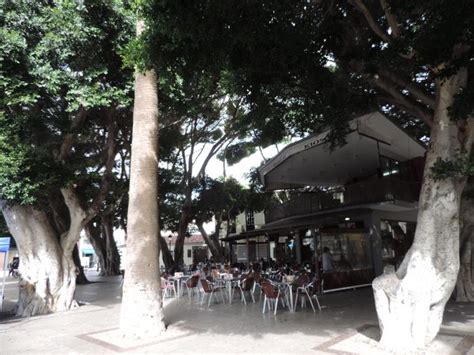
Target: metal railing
{"x": 370, "y": 191}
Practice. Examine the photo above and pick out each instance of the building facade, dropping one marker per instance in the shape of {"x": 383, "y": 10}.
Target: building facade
{"x": 356, "y": 202}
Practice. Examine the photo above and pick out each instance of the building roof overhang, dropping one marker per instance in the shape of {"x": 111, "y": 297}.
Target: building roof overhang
{"x": 320, "y": 218}
{"x": 310, "y": 162}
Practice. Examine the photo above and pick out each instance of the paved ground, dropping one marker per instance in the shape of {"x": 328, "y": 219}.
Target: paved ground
{"x": 346, "y": 324}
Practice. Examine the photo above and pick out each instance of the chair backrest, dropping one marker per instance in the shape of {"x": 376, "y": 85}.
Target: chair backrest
{"x": 193, "y": 281}
{"x": 269, "y": 290}
{"x": 247, "y": 283}
{"x": 164, "y": 282}
{"x": 206, "y": 286}
{"x": 303, "y": 280}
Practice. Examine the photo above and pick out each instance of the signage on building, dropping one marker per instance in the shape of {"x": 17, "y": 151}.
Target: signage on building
{"x": 5, "y": 244}
{"x": 316, "y": 141}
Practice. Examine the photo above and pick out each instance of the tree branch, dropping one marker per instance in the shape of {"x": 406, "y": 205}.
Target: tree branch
{"x": 391, "y": 19}
{"x": 215, "y": 148}
{"x": 359, "y": 4}
{"x": 418, "y": 92}
{"x": 78, "y": 217}
{"x": 401, "y": 100}
{"x": 108, "y": 176}
{"x": 68, "y": 141}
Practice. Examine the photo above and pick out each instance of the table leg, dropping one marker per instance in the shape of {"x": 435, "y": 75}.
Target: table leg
{"x": 179, "y": 287}
{"x": 292, "y": 309}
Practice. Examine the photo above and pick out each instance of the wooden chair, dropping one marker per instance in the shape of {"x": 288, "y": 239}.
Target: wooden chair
{"x": 272, "y": 296}
{"x": 191, "y": 285}
{"x": 246, "y": 285}
{"x": 209, "y": 290}
{"x": 309, "y": 290}
{"x": 166, "y": 287}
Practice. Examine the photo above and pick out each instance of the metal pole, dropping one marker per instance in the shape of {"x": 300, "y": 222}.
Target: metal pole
{"x": 3, "y": 281}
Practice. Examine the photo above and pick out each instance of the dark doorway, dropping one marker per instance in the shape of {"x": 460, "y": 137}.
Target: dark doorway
{"x": 199, "y": 254}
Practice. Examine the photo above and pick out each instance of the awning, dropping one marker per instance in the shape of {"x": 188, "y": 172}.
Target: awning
{"x": 300, "y": 222}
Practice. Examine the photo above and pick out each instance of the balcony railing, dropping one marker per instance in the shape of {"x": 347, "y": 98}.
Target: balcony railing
{"x": 370, "y": 191}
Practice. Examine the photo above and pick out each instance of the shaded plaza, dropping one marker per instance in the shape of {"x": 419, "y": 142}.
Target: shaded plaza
{"x": 347, "y": 323}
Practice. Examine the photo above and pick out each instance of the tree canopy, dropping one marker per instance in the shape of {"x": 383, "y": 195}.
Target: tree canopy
{"x": 62, "y": 73}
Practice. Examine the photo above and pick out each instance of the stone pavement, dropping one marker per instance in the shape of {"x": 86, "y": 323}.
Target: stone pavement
{"x": 347, "y": 324}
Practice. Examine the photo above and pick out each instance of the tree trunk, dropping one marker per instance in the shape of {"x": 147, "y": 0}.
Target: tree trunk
{"x": 98, "y": 243}
{"x": 410, "y": 302}
{"x": 141, "y": 313}
{"x": 112, "y": 256}
{"x": 215, "y": 249}
{"x": 464, "y": 286}
{"x": 48, "y": 275}
{"x": 182, "y": 230}
{"x": 165, "y": 252}
{"x": 81, "y": 276}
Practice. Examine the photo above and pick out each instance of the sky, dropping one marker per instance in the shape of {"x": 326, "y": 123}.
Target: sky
{"x": 241, "y": 169}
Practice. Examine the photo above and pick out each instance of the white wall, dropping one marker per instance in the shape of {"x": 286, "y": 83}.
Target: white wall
{"x": 188, "y": 260}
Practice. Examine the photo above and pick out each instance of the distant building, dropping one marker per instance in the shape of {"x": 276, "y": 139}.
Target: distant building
{"x": 358, "y": 200}
{"x": 195, "y": 248}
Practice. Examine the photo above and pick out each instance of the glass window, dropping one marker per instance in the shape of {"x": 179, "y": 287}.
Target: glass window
{"x": 389, "y": 166}
{"x": 349, "y": 251}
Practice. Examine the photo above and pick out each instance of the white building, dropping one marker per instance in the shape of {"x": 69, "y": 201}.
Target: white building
{"x": 194, "y": 250}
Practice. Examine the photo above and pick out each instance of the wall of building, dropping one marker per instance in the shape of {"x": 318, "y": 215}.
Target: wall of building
{"x": 187, "y": 253}
{"x": 259, "y": 218}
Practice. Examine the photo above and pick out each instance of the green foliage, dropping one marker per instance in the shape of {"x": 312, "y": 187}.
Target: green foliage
{"x": 57, "y": 58}
{"x": 236, "y": 152}
{"x": 463, "y": 105}
{"x": 224, "y": 197}
{"x": 302, "y": 66}
{"x": 462, "y": 165}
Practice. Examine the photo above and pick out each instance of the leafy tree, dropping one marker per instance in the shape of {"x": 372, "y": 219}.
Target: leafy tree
{"x": 305, "y": 65}
{"x": 224, "y": 200}
{"x": 201, "y": 118}
{"x": 63, "y": 97}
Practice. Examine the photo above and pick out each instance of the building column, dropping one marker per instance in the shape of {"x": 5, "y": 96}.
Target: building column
{"x": 268, "y": 248}
{"x": 297, "y": 243}
{"x": 372, "y": 222}
{"x": 315, "y": 256}
{"x": 248, "y": 252}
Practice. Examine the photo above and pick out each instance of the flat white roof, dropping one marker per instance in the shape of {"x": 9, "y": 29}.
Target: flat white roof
{"x": 310, "y": 162}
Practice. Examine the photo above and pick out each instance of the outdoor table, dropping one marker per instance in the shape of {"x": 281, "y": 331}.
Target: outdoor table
{"x": 229, "y": 283}
{"x": 178, "y": 281}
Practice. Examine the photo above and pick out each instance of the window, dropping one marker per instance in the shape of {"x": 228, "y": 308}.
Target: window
{"x": 241, "y": 252}
{"x": 349, "y": 251}
{"x": 389, "y": 166}
{"x": 249, "y": 220}
{"x": 189, "y": 253}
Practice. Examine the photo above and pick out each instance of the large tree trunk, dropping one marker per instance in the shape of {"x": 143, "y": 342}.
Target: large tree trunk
{"x": 184, "y": 220}
{"x": 464, "y": 286}
{"x": 410, "y": 302}
{"x": 215, "y": 249}
{"x": 48, "y": 275}
{"x": 141, "y": 313}
{"x": 81, "y": 278}
{"x": 98, "y": 243}
{"x": 112, "y": 256}
{"x": 165, "y": 252}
